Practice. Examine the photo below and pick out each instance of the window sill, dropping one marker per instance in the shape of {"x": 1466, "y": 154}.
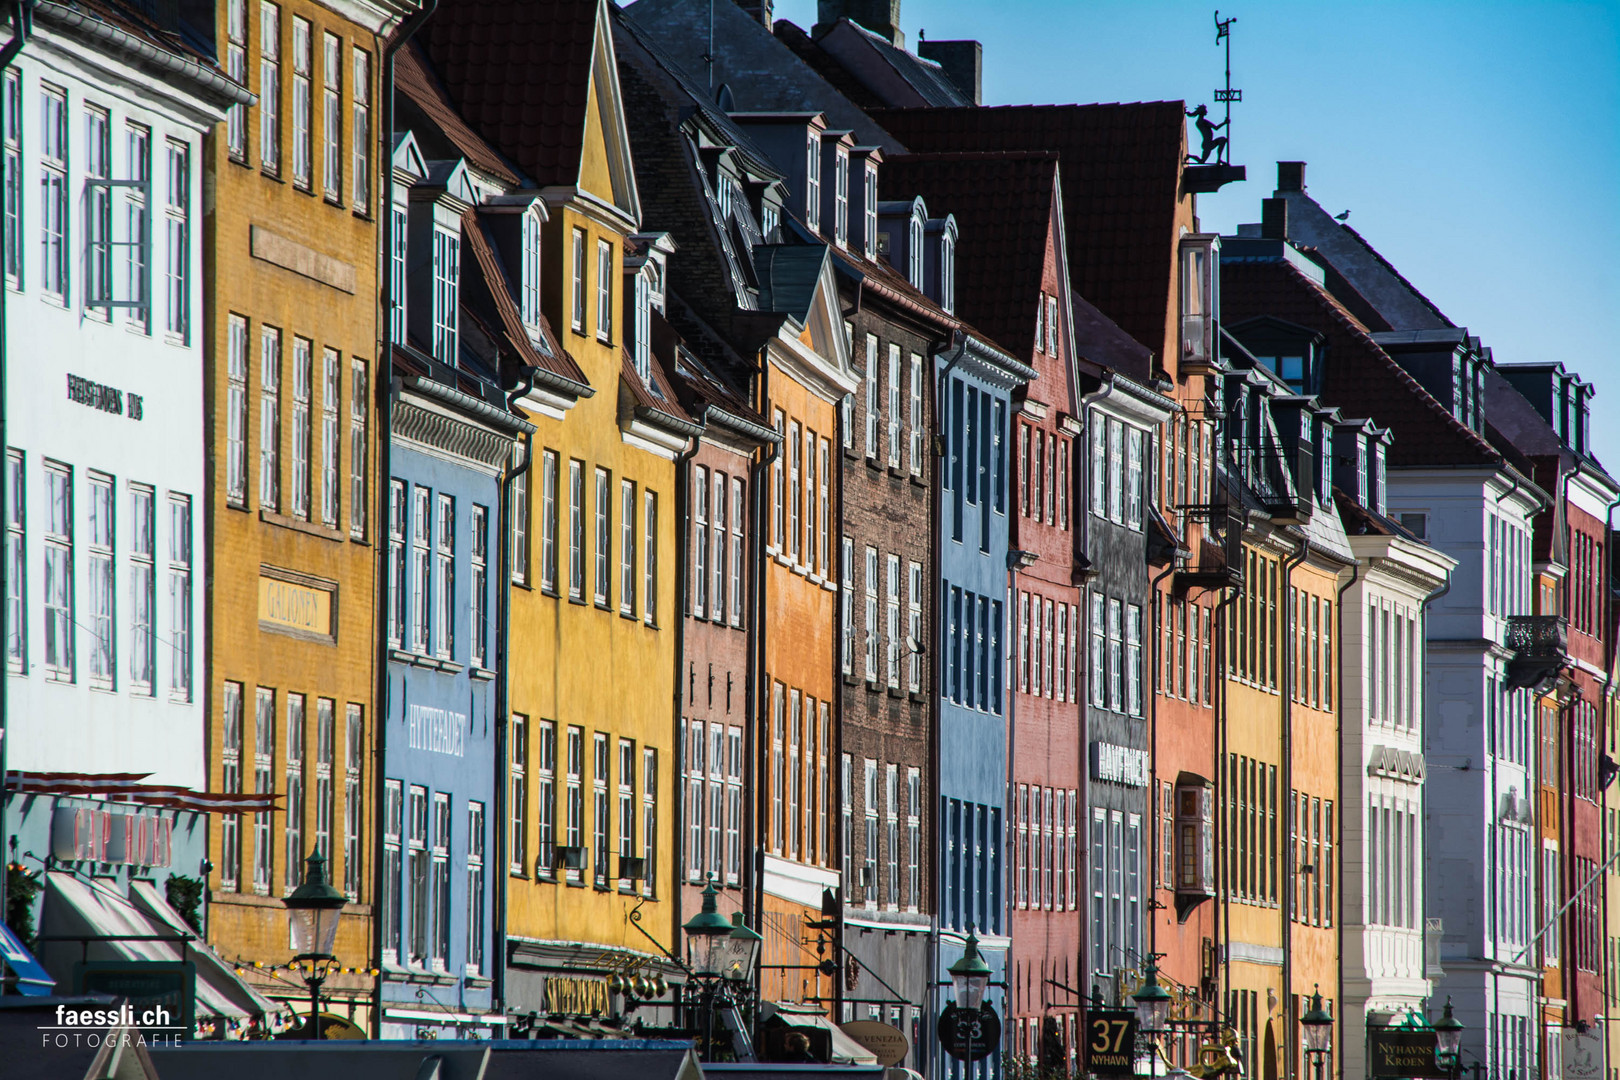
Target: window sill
{"x": 234, "y": 160}
{"x": 450, "y": 666}
{"x": 799, "y": 569}
{"x": 334, "y": 203}
{"x": 917, "y": 480}
{"x": 602, "y": 605}
{"x": 851, "y": 679}
{"x": 629, "y": 616}
{"x": 269, "y": 174}
{"x": 364, "y": 215}
{"x": 481, "y": 673}
{"x": 896, "y": 692}
{"x": 271, "y": 517}
{"x": 783, "y": 560}
{"x": 517, "y": 872}
{"x": 830, "y": 586}
{"x": 580, "y": 600}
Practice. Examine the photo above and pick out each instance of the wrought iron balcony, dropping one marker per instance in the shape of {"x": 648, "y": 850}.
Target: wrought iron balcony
{"x": 1216, "y": 561}
{"x": 1540, "y": 645}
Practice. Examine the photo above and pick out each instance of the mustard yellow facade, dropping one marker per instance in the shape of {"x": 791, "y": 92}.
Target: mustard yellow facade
{"x": 594, "y": 621}
{"x": 1278, "y": 777}
{"x": 291, "y": 316}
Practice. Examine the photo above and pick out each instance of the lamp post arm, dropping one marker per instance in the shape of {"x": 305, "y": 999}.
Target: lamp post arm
{"x": 1574, "y": 896}
{"x": 634, "y": 916}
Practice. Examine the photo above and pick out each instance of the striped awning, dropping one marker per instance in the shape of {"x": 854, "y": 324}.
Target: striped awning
{"x": 128, "y": 787}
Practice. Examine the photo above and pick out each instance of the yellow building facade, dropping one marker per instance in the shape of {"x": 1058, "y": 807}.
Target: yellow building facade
{"x": 594, "y": 616}
{"x": 290, "y": 191}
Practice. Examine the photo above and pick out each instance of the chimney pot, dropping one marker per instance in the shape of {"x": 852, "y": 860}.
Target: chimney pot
{"x": 881, "y": 17}
{"x": 1291, "y": 176}
{"x": 759, "y": 9}
{"x": 1274, "y": 219}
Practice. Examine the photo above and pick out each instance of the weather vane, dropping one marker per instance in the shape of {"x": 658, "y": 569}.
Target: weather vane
{"x": 1213, "y": 143}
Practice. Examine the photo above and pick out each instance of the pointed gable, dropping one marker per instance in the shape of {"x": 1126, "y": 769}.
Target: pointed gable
{"x": 538, "y": 79}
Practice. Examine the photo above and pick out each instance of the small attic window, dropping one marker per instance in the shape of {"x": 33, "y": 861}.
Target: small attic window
{"x": 770, "y": 220}
{"x": 947, "y": 273}
{"x": 870, "y": 211}
{"x": 1290, "y": 369}
{"x": 841, "y": 198}
{"x": 1040, "y": 324}
{"x": 641, "y": 347}
{"x": 914, "y": 252}
{"x": 529, "y": 287}
{"x": 812, "y": 182}
{"x": 1378, "y": 500}
{"x": 1051, "y": 325}
{"x": 446, "y": 294}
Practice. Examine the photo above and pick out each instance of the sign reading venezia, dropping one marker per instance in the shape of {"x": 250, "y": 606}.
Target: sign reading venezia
{"x": 437, "y": 731}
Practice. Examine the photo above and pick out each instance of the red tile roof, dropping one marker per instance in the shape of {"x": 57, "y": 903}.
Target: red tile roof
{"x": 416, "y": 80}
{"x": 1002, "y": 203}
{"x": 1121, "y": 186}
{"x": 550, "y": 355}
{"x": 1361, "y": 379}
{"x": 520, "y": 72}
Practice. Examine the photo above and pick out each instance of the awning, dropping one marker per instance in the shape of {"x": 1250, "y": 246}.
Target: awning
{"x": 75, "y": 908}
{"x": 845, "y": 1050}
{"x": 129, "y": 786}
{"x": 22, "y": 970}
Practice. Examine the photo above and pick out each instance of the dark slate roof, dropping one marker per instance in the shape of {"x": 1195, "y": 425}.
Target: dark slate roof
{"x": 763, "y": 74}
{"x": 1360, "y": 377}
{"x": 805, "y": 48}
{"x": 1360, "y": 521}
{"x": 131, "y": 19}
{"x": 788, "y": 274}
{"x": 1121, "y": 185}
{"x": 420, "y": 85}
{"x": 520, "y": 73}
{"x": 1099, "y": 339}
{"x": 1389, "y": 266}
{"x": 490, "y": 293}
{"x": 1002, "y": 203}
{"x": 926, "y": 78}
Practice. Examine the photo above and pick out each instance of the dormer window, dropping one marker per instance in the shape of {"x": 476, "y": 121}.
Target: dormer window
{"x": 770, "y": 219}
{"x": 1051, "y": 325}
{"x": 641, "y": 354}
{"x": 812, "y": 182}
{"x": 529, "y": 287}
{"x": 396, "y": 322}
{"x": 1040, "y": 324}
{"x": 841, "y": 198}
{"x": 870, "y": 210}
{"x": 914, "y": 252}
{"x": 947, "y": 273}
{"x": 1378, "y": 492}
{"x": 1361, "y": 470}
{"x": 446, "y": 290}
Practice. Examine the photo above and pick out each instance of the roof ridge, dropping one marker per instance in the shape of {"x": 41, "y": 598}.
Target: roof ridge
{"x": 1387, "y": 265}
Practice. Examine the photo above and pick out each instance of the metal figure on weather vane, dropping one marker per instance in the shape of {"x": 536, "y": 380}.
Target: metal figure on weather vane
{"x": 1213, "y": 143}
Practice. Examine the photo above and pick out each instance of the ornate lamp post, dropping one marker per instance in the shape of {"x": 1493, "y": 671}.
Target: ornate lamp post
{"x": 1316, "y": 1029}
{"x": 1152, "y": 1011}
{"x": 740, "y": 951}
{"x": 313, "y": 911}
{"x": 707, "y": 952}
{"x": 1448, "y": 1039}
{"x": 970, "y": 976}
{"x": 968, "y": 1027}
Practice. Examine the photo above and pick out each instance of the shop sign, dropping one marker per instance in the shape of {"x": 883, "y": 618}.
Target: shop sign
{"x": 295, "y": 607}
{"x": 886, "y": 1042}
{"x": 1402, "y": 1052}
{"x": 1119, "y": 764}
{"x": 568, "y": 995}
{"x": 969, "y": 1036}
{"x": 1582, "y": 1054}
{"x": 438, "y": 731}
{"x": 87, "y": 834}
{"x": 1110, "y": 1042}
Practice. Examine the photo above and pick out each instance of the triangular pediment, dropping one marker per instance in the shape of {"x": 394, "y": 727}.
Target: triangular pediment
{"x": 606, "y": 169}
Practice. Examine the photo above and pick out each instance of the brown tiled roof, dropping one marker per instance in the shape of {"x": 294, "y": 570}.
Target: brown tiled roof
{"x": 550, "y": 356}
{"x": 659, "y": 398}
{"x": 1360, "y": 377}
{"x": 416, "y": 80}
{"x": 1002, "y": 203}
{"x": 1360, "y": 521}
{"x": 1121, "y": 185}
{"x": 519, "y": 71}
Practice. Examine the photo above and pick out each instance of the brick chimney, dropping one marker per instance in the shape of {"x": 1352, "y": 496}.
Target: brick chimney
{"x": 1274, "y": 219}
{"x": 881, "y": 17}
{"x": 758, "y": 9}
{"x": 963, "y": 62}
{"x": 1290, "y": 176}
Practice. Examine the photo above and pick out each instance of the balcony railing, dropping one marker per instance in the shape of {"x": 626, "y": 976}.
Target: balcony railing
{"x": 1540, "y": 645}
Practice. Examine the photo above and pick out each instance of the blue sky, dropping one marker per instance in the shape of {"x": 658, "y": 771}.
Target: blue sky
{"x": 1476, "y": 145}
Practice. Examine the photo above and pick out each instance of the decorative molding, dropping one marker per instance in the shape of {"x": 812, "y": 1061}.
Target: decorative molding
{"x": 447, "y": 435}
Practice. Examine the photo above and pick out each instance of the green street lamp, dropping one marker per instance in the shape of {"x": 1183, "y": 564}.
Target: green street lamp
{"x": 313, "y": 911}
{"x": 1317, "y": 1029}
{"x": 970, "y": 976}
{"x": 740, "y": 949}
{"x": 1152, "y": 1003}
{"x": 706, "y": 933}
{"x": 1448, "y": 1036}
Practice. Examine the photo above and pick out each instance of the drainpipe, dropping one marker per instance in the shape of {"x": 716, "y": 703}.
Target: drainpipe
{"x": 22, "y": 18}
{"x": 936, "y": 522}
{"x": 1423, "y": 790}
{"x": 1338, "y": 782}
{"x": 1223, "y": 914}
{"x": 1155, "y": 650}
{"x": 1285, "y": 694}
{"x": 382, "y": 389}
{"x": 503, "y": 700}
{"x": 754, "y": 871}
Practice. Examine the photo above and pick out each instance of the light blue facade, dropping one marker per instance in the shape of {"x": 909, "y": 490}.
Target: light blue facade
{"x": 975, "y": 383}
{"x": 441, "y": 748}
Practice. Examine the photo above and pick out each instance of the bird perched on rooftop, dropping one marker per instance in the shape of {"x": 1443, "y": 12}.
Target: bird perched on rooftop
{"x": 1342, "y": 217}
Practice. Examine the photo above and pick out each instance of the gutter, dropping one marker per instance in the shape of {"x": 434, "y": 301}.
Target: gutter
{"x": 1338, "y": 783}
{"x": 552, "y": 381}
{"x": 165, "y": 62}
{"x": 382, "y": 389}
{"x": 669, "y": 422}
{"x": 507, "y": 422}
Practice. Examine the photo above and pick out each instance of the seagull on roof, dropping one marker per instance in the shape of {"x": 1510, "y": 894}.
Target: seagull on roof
{"x": 1342, "y": 217}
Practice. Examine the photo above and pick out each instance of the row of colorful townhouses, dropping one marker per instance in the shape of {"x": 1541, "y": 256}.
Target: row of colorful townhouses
{"x": 547, "y": 458}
